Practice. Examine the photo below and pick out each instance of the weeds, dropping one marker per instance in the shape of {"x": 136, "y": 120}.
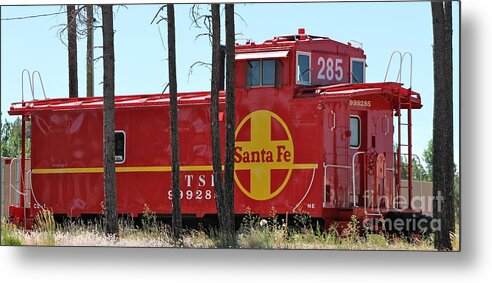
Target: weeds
{"x": 45, "y": 224}
{"x": 254, "y": 233}
{"x": 303, "y": 221}
{"x": 149, "y": 220}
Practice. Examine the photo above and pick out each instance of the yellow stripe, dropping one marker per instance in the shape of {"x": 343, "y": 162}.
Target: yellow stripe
{"x": 304, "y": 166}
{"x": 67, "y": 170}
{"x": 162, "y": 168}
{"x": 146, "y": 169}
{"x": 119, "y": 169}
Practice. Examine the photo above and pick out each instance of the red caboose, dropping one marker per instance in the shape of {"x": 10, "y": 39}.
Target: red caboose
{"x": 311, "y": 137}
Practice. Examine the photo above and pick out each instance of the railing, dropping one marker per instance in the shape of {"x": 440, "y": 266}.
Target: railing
{"x": 402, "y": 57}
{"x": 31, "y": 83}
{"x": 325, "y": 168}
{"x": 390, "y": 202}
{"x": 11, "y": 180}
{"x": 19, "y": 177}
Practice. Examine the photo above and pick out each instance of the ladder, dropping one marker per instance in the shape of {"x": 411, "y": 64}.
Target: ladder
{"x": 404, "y": 147}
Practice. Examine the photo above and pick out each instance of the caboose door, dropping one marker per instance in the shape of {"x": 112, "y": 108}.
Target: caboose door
{"x": 357, "y": 157}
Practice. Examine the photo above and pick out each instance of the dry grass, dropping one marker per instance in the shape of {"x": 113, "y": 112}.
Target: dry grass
{"x": 253, "y": 234}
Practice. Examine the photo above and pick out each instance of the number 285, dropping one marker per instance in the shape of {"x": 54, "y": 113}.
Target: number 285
{"x": 330, "y": 69}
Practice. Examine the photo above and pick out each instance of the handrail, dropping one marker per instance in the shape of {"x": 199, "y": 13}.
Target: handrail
{"x": 29, "y": 176}
{"x": 31, "y": 78}
{"x": 387, "y": 128}
{"x": 40, "y": 80}
{"x": 402, "y": 58}
{"x": 325, "y": 167}
{"x": 22, "y": 83}
{"x": 10, "y": 179}
{"x": 411, "y": 65}
{"x": 393, "y": 186}
{"x": 334, "y": 120}
{"x": 353, "y": 175}
{"x": 389, "y": 64}
{"x": 12, "y": 186}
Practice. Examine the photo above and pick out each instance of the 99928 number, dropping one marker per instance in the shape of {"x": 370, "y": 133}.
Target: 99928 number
{"x": 192, "y": 195}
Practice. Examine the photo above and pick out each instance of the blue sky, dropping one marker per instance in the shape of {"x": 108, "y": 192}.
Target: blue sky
{"x": 141, "y": 57}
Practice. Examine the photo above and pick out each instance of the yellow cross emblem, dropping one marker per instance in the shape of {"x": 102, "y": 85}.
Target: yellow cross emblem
{"x": 260, "y": 155}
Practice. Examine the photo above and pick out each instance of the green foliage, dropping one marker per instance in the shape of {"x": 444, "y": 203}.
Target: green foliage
{"x": 11, "y": 136}
{"x": 250, "y": 221}
{"x": 352, "y": 231}
{"x": 9, "y": 235}
{"x": 428, "y": 160}
{"x": 418, "y": 170}
{"x": 457, "y": 196}
{"x": 149, "y": 220}
{"x": 10, "y": 240}
{"x": 428, "y": 155}
{"x": 257, "y": 233}
{"x": 303, "y": 221}
{"x": 376, "y": 241}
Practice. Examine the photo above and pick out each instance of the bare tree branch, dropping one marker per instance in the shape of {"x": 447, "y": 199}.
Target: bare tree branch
{"x": 158, "y": 14}
{"x": 242, "y": 19}
{"x": 198, "y": 64}
{"x": 165, "y": 87}
{"x": 160, "y": 35}
{"x": 98, "y": 58}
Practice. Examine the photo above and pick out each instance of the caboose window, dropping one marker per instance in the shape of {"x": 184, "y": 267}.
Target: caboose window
{"x": 260, "y": 73}
{"x": 303, "y": 68}
{"x": 357, "y": 71}
{"x": 253, "y": 73}
{"x": 120, "y": 146}
{"x": 354, "y": 131}
{"x": 268, "y": 72}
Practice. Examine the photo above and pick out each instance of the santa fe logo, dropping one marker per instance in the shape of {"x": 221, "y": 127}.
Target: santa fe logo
{"x": 264, "y": 154}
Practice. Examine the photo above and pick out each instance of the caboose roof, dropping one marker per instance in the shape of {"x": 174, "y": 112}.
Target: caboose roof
{"x": 297, "y": 41}
{"x": 390, "y": 89}
{"x": 121, "y": 101}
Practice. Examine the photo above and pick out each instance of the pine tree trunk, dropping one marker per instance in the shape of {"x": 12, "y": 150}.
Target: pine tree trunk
{"x": 443, "y": 158}
{"x": 214, "y": 117}
{"x": 72, "y": 52}
{"x": 90, "y": 51}
{"x": 171, "y": 41}
{"x": 110, "y": 198}
{"x": 448, "y": 67}
{"x": 230, "y": 122}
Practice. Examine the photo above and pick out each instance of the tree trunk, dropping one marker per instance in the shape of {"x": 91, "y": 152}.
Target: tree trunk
{"x": 443, "y": 159}
{"x": 230, "y": 122}
{"x": 72, "y": 51}
{"x": 110, "y": 198}
{"x": 450, "y": 166}
{"x": 176, "y": 199}
{"x": 214, "y": 117}
{"x": 90, "y": 51}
